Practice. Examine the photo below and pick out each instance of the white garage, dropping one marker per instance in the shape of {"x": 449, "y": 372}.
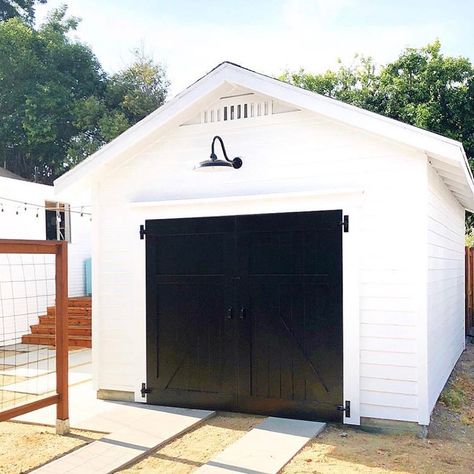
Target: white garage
{"x": 322, "y": 279}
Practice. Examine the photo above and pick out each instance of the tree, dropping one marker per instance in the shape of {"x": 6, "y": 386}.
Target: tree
{"x": 129, "y": 96}
{"x": 24, "y": 9}
{"x": 421, "y": 87}
{"x": 139, "y": 89}
{"x": 43, "y": 75}
{"x": 57, "y": 105}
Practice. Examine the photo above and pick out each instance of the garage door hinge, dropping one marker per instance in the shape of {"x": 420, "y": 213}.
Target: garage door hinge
{"x": 144, "y": 390}
{"x": 345, "y": 224}
{"x": 346, "y": 408}
{"x": 142, "y": 232}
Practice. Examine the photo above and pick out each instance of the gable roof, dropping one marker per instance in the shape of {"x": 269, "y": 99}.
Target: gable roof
{"x": 446, "y": 155}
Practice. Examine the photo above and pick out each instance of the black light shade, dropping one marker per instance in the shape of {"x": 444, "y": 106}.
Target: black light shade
{"x": 214, "y": 164}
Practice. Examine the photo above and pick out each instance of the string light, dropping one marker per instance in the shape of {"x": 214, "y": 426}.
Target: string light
{"x": 81, "y": 212}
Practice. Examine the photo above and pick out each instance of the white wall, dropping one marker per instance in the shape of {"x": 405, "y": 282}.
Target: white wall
{"x": 25, "y": 224}
{"x": 79, "y": 250}
{"x": 292, "y": 152}
{"x": 27, "y": 282}
{"x": 445, "y": 284}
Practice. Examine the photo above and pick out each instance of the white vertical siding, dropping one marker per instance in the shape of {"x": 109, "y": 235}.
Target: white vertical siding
{"x": 294, "y": 152}
{"x": 445, "y": 284}
{"x": 79, "y": 250}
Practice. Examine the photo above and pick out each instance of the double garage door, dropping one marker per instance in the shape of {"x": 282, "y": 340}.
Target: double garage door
{"x": 244, "y": 313}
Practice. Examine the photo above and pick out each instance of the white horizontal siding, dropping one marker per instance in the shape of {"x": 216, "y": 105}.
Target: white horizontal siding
{"x": 445, "y": 236}
{"x": 293, "y": 152}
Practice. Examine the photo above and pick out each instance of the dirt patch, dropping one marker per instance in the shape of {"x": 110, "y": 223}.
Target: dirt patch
{"x": 13, "y": 399}
{"x": 448, "y": 448}
{"x": 453, "y": 416}
{"x": 24, "y": 447}
{"x": 338, "y": 450}
{"x": 343, "y": 450}
{"x": 357, "y": 451}
{"x": 195, "y": 448}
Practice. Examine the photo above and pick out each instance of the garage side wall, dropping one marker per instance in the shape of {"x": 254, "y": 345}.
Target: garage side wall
{"x": 289, "y": 153}
{"x": 445, "y": 284}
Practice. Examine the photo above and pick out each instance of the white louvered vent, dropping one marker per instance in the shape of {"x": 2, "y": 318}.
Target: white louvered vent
{"x": 241, "y": 107}
{"x": 236, "y": 111}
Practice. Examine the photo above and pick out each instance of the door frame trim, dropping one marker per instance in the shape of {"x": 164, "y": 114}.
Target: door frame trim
{"x": 349, "y": 201}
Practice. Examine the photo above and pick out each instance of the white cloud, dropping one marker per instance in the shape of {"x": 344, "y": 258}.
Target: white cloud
{"x": 308, "y": 35}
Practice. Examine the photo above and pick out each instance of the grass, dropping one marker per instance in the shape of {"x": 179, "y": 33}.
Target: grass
{"x": 458, "y": 396}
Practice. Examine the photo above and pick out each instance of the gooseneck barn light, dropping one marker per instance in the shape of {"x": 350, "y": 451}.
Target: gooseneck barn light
{"x": 214, "y": 164}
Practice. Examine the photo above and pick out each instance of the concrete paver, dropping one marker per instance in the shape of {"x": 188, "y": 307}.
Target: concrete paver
{"x": 264, "y": 449}
{"x": 134, "y": 429}
{"x": 150, "y": 428}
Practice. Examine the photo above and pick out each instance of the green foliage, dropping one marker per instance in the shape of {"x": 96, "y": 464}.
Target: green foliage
{"x": 421, "y": 87}
{"x": 138, "y": 89}
{"x": 458, "y": 396}
{"x": 452, "y": 398}
{"x": 128, "y": 96}
{"x": 24, "y": 9}
{"x": 57, "y": 106}
{"x": 469, "y": 239}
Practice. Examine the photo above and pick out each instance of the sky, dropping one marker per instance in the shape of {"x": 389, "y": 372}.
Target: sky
{"x": 190, "y": 37}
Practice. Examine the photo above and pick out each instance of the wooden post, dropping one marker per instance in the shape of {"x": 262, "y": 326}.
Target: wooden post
{"x": 62, "y": 339}
{"x": 59, "y": 249}
{"x": 466, "y": 287}
{"x": 471, "y": 293}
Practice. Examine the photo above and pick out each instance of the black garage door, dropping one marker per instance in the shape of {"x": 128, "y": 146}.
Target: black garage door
{"x": 244, "y": 313}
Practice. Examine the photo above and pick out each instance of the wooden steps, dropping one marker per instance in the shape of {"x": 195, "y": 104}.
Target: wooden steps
{"x": 79, "y": 325}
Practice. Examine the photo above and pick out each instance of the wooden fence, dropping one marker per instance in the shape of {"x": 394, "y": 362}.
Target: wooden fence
{"x": 59, "y": 250}
{"x": 469, "y": 276}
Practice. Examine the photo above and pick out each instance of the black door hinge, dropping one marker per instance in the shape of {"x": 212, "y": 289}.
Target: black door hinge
{"x": 142, "y": 232}
{"x": 345, "y": 224}
{"x": 144, "y": 390}
{"x": 346, "y": 408}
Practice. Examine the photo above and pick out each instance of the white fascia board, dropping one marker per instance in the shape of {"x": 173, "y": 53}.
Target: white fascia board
{"x": 348, "y": 114}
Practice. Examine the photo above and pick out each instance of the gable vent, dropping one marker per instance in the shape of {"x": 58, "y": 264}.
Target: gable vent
{"x": 242, "y": 107}
{"x": 237, "y": 111}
